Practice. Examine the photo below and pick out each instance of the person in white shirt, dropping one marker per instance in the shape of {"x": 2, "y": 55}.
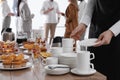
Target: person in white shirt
{"x": 104, "y": 19}
{"x": 82, "y": 5}
{"x": 5, "y": 14}
{"x": 51, "y": 11}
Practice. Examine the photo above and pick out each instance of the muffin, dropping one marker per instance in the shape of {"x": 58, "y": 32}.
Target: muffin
{"x": 12, "y": 56}
{"x": 19, "y": 57}
{"x": 4, "y": 57}
{"x": 28, "y": 45}
{"x": 16, "y": 64}
{"x": 7, "y": 63}
{"x": 23, "y": 63}
{"x": 43, "y": 49}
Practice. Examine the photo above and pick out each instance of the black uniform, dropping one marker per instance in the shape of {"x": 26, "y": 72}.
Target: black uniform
{"x": 107, "y": 61}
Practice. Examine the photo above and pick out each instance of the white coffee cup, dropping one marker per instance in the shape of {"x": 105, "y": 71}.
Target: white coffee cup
{"x": 68, "y": 42}
{"x": 56, "y": 51}
{"x": 51, "y": 60}
{"x": 83, "y": 61}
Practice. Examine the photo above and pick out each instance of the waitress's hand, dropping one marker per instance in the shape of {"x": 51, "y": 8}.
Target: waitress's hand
{"x": 105, "y": 38}
{"x": 78, "y": 31}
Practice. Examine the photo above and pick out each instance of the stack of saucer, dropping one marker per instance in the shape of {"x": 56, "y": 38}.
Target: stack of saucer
{"x": 68, "y": 59}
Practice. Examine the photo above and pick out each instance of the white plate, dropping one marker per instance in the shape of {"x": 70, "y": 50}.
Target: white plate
{"x": 22, "y": 47}
{"x": 26, "y": 57}
{"x": 28, "y": 65}
{"x": 88, "y": 42}
{"x": 26, "y": 52}
{"x": 90, "y": 72}
{"x": 21, "y": 44}
{"x": 57, "y": 71}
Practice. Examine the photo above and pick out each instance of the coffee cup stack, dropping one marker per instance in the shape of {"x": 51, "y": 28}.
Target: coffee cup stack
{"x": 83, "y": 61}
{"x": 67, "y": 44}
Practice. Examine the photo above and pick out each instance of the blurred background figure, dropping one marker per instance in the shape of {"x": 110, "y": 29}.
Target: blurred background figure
{"x": 14, "y": 7}
{"x": 24, "y": 13}
{"x": 71, "y": 15}
{"x": 50, "y": 9}
{"x": 5, "y": 15}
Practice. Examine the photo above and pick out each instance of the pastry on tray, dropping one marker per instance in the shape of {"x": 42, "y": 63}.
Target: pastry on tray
{"x": 28, "y": 45}
{"x": 7, "y": 63}
{"x": 16, "y": 64}
{"x": 13, "y": 60}
{"x": 45, "y": 54}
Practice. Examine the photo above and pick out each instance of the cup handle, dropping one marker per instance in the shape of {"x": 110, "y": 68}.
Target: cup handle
{"x": 91, "y": 65}
{"x": 93, "y": 56}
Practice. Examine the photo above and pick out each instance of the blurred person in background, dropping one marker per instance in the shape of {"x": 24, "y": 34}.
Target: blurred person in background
{"x": 50, "y": 9}
{"x": 23, "y": 11}
{"x": 14, "y": 7}
{"x": 71, "y": 15}
{"x": 5, "y": 15}
{"x": 104, "y": 19}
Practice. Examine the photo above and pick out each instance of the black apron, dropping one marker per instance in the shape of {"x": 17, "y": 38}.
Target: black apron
{"x": 107, "y": 61}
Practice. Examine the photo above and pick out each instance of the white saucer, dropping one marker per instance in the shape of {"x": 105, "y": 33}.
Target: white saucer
{"x": 22, "y": 47}
{"x": 90, "y": 72}
{"x": 88, "y": 42}
{"x": 57, "y": 71}
{"x": 70, "y": 55}
{"x": 26, "y": 52}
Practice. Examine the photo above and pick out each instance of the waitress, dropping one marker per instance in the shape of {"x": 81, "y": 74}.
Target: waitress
{"x": 104, "y": 19}
{"x": 5, "y": 14}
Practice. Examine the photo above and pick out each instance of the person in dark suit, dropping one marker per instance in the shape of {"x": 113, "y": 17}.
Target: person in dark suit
{"x": 104, "y": 19}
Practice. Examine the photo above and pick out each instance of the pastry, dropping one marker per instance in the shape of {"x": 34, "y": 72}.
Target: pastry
{"x": 23, "y": 63}
{"x": 16, "y": 64}
{"x": 7, "y": 63}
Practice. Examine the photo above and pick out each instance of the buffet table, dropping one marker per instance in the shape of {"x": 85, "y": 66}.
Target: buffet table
{"x": 34, "y": 74}
{"x": 36, "y": 71}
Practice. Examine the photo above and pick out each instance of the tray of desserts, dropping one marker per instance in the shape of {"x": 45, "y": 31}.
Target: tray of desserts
{"x": 7, "y": 47}
{"x": 5, "y": 56}
{"x": 15, "y": 66}
{"x": 14, "y": 61}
